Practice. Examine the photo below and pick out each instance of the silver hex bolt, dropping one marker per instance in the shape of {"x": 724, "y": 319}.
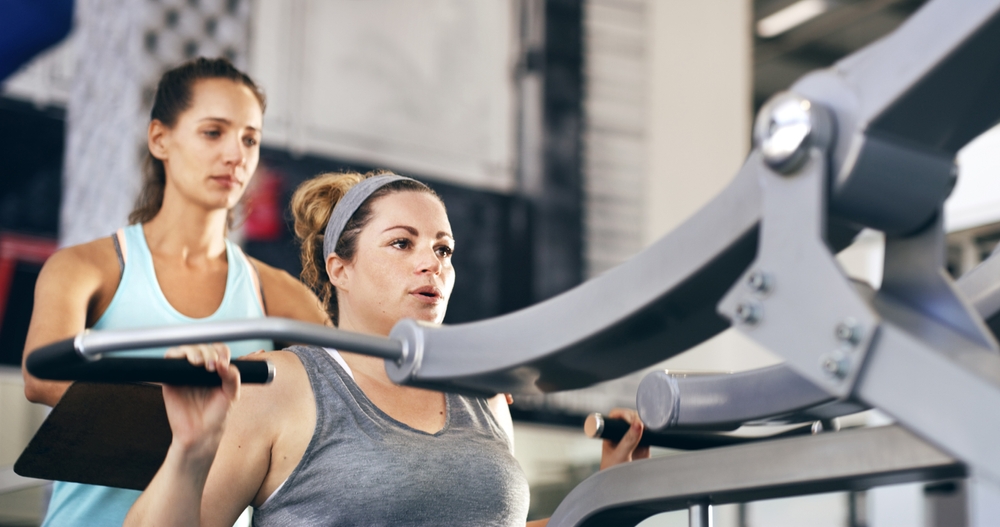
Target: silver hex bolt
{"x": 749, "y": 312}
{"x": 760, "y": 282}
{"x": 836, "y": 365}
{"x": 848, "y": 331}
{"x": 786, "y": 127}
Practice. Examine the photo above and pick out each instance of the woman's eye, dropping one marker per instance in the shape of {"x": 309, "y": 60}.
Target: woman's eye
{"x": 400, "y": 244}
{"x": 212, "y": 133}
{"x": 445, "y": 252}
{"x": 250, "y": 141}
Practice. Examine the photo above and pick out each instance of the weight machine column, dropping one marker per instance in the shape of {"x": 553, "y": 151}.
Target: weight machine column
{"x": 700, "y": 515}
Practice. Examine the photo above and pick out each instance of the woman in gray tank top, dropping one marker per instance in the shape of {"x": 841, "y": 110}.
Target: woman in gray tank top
{"x": 332, "y": 441}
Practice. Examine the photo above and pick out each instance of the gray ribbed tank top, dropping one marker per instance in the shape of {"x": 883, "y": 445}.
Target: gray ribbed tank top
{"x": 364, "y": 468}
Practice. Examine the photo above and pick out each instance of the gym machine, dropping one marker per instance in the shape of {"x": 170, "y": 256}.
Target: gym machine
{"x": 869, "y": 142}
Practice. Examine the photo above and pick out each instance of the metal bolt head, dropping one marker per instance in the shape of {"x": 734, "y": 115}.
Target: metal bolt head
{"x": 848, "y": 331}
{"x": 825, "y": 425}
{"x": 836, "y": 365}
{"x": 786, "y": 126}
{"x": 748, "y": 312}
{"x": 759, "y": 282}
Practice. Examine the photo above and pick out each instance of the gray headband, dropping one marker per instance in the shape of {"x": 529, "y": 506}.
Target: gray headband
{"x": 349, "y": 204}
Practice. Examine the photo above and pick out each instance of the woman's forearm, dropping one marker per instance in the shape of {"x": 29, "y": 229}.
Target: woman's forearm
{"x": 173, "y": 497}
{"x": 197, "y": 418}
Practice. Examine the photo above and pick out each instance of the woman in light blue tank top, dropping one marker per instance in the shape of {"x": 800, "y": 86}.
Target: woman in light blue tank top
{"x": 332, "y": 441}
{"x": 174, "y": 264}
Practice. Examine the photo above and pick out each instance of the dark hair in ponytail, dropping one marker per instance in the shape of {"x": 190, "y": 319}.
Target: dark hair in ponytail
{"x": 173, "y": 97}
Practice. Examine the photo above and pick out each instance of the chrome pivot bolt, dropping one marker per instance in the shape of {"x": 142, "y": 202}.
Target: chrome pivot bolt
{"x": 786, "y": 127}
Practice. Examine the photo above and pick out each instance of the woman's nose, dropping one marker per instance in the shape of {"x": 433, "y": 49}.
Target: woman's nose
{"x": 235, "y": 153}
{"x": 429, "y": 262}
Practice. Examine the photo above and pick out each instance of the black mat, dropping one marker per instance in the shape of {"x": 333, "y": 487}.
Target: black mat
{"x": 116, "y": 435}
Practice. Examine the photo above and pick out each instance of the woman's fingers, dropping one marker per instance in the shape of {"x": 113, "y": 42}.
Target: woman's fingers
{"x": 230, "y": 382}
{"x": 223, "y": 355}
{"x": 627, "y": 448}
{"x": 213, "y": 356}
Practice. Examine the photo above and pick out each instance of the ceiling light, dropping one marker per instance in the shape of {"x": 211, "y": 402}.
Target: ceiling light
{"x": 791, "y": 17}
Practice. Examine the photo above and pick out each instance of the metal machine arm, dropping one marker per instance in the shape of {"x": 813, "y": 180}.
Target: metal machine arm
{"x": 776, "y": 394}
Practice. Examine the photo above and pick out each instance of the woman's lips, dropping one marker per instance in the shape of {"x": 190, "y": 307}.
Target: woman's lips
{"x": 427, "y": 295}
{"x": 226, "y": 181}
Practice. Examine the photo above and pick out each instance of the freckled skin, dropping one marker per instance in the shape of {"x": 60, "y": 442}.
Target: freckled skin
{"x": 407, "y": 245}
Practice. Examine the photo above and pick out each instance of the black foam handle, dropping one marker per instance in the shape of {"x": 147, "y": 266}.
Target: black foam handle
{"x": 59, "y": 361}
{"x": 615, "y": 429}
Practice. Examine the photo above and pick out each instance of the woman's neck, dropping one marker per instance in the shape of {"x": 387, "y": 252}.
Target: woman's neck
{"x": 373, "y": 367}
{"x": 347, "y": 321}
{"x": 189, "y": 231}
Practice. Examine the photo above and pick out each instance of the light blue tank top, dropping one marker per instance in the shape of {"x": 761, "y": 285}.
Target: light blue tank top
{"x": 137, "y": 303}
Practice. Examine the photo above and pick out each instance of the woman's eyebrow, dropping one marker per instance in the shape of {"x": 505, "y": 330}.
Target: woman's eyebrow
{"x": 406, "y": 228}
{"x": 223, "y": 120}
{"x": 414, "y": 232}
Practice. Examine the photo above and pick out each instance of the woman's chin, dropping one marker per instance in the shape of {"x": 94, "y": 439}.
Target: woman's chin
{"x": 433, "y": 315}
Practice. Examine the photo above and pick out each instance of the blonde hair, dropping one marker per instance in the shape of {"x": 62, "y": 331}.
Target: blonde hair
{"x": 312, "y": 205}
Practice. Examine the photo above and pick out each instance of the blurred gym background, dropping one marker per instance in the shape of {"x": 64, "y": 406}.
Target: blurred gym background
{"x": 563, "y": 135}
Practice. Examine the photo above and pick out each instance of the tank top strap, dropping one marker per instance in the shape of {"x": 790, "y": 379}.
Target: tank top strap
{"x": 120, "y": 246}
{"x": 251, "y": 272}
{"x": 337, "y": 396}
{"x": 133, "y": 246}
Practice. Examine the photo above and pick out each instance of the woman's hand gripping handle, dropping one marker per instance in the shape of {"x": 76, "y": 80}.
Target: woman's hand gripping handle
{"x": 197, "y": 418}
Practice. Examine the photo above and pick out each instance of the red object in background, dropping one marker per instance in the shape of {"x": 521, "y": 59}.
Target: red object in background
{"x": 15, "y": 248}
{"x": 264, "y": 223}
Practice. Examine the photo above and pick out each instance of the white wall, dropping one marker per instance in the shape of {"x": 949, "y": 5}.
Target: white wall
{"x": 700, "y": 109}
{"x": 976, "y": 198}
{"x": 422, "y": 87}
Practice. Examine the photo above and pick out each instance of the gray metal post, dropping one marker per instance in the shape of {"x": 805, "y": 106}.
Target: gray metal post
{"x": 946, "y": 504}
{"x": 700, "y": 515}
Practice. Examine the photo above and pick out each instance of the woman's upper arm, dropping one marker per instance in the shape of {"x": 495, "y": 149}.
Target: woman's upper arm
{"x": 289, "y": 298}
{"x": 266, "y": 434}
{"x": 241, "y": 463}
{"x": 64, "y": 291}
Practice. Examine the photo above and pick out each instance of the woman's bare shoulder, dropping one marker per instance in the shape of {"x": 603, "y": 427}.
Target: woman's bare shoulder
{"x": 287, "y": 297}
{"x": 95, "y": 260}
{"x": 289, "y": 379}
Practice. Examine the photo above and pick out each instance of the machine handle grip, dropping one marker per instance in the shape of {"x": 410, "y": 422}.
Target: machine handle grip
{"x": 60, "y": 361}
{"x": 598, "y": 426}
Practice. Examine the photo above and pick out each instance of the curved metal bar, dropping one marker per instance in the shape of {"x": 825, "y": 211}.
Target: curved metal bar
{"x": 626, "y": 494}
{"x": 90, "y": 355}
{"x": 95, "y": 344}
{"x": 644, "y": 311}
{"x": 900, "y": 121}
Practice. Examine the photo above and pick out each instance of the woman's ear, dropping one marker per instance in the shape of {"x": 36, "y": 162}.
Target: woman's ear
{"x": 156, "y": 136}
{"x": 337, "y": 270}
